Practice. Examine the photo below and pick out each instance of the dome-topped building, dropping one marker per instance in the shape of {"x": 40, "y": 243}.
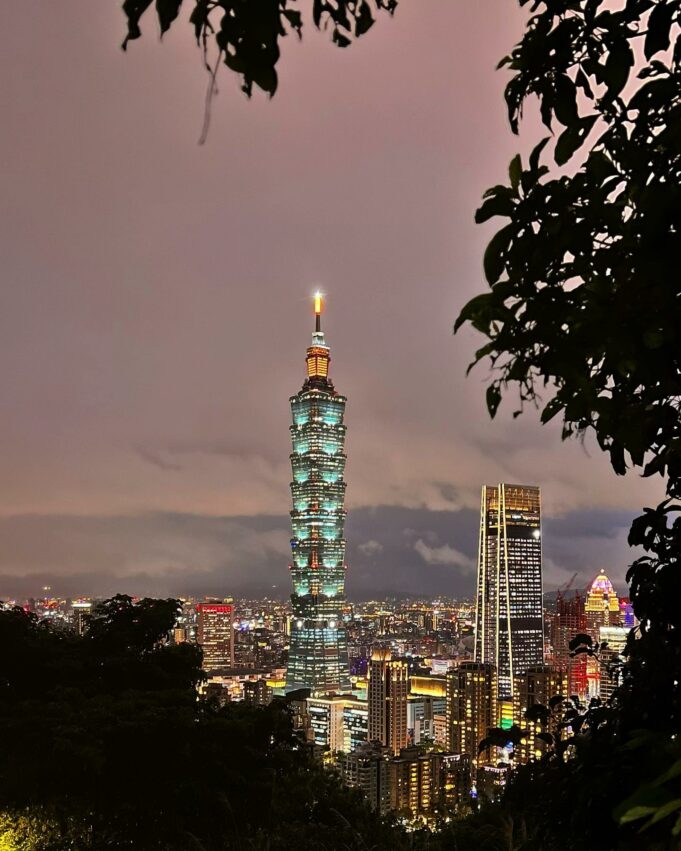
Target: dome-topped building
{"x": 602, "y": 605}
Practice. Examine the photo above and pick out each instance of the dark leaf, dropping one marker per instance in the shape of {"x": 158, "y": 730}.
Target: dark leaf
{"x": 515, "y": 169}
{"x": 617, "y": 67}
{"x": 659, "y": 26}
{"x": 493, "y": 260}
{"x": 493, "y": 399}
{"x": 340, "y": 39}
{"x": 572, "y": 138}
{"x": 167, "y": 11}
{"x": 134, "y": 9}
{"x": 565, "y": 102}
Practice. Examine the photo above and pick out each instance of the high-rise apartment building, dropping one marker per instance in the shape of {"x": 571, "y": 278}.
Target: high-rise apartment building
{"x": 367, "y": 768}
{"x": 471, "y": 708}
{"x": 509, "y": 627}
{"x": 536, "y": 685}
{"x": 82, "y": 611}
{"x": 455, "y": 780}
{"x": 413, "y": 782}
{"x": 610, "y": 659}
{"x": 569, "y": 620}
{"x": 318, "y": 656}
{"x": 388, "y": 692}
{"x": 215, "y": 634}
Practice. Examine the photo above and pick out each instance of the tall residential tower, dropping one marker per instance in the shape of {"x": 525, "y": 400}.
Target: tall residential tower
{"x": 318, "y": 655}
{"x": 509, "y": 628}
{"x": 387, "y": 696}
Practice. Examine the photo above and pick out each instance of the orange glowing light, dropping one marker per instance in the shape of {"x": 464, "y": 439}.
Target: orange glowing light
{"x": 318, "y": 303}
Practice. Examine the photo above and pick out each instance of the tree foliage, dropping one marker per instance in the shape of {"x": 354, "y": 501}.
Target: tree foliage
{"x": 106, "y": 745}
{"x": 584, "y": 304}
{"x": 582, "y": 318}
{"x": 245, "y": 34}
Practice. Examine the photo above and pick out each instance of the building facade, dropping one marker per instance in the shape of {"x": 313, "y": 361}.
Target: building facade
{"x": 215, "y": 634}
{"x": 318, "y": 655}
{"x": 338, "y": 722}
{"x": 326, "y": 716}
{"x": 569, "y": 621}
{"x": 613, "y": 640}
{"x": 387, "y": 698}
{"x": 82, "y": 611}
{"x": 367, "y": 768}
{"x": 536, "y": 686}
{"x": 602, "y": 606}
{"x": 601, "y": 609}
{"x": 509, "y": 627}
{"x": 471, "y": 708}
{"x": 413, "y": 778}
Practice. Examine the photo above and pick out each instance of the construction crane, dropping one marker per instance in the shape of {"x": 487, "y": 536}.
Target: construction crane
{"x": 563, "y": 589}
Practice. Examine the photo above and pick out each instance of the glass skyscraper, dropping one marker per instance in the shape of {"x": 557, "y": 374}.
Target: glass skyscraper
{"x": 318, "y": 655}
{"x": 509, "y": 627}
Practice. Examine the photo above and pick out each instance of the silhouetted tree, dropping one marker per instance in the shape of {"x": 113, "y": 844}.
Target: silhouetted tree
{"x": 105, "y": 745}
{"x": 583, "y": 318}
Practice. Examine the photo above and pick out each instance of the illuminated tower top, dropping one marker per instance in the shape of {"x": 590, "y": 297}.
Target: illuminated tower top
{"x": 318, "y": 355}
{"x": 602, "y": 606}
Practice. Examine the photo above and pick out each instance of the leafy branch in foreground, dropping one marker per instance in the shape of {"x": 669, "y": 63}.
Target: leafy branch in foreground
{"x": 245, "y": 33}
{"x": 582, "y": 317}
{"x": 584, "y": 302}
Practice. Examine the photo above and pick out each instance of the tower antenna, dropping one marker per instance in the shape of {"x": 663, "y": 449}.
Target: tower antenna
{"x": 318, "y": 311}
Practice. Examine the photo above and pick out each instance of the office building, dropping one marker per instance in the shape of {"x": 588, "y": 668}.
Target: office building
{"x": 318, "y": 656}
{"x": 509, "y": 629}
{"x": 326, "y": 717}
{"x": 215, "y": 634}
{"x": 387, "y": 698}
{"x": 355, "y": 724}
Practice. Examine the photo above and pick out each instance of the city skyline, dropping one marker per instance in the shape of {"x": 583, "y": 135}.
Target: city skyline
{"x": 147, "y": 361}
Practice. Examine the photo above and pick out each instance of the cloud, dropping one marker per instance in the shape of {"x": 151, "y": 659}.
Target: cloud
{"x": 445, "y": 555}
{"x": 371, "y": 548}
{"x": 157, "y": 460}
{"x": 175, "y": 553}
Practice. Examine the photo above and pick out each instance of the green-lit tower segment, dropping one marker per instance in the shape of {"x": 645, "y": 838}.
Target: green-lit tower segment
{"x": 318, "y": 653}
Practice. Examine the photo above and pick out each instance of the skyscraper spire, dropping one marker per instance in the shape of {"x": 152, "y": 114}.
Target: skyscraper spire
{"x": 318, "y": 656}
{"x": 318, "y": 311}
{"x": 318, "y": 356}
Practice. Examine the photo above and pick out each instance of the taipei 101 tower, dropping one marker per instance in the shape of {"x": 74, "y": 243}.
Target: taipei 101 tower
{"x": 318, "y": 653}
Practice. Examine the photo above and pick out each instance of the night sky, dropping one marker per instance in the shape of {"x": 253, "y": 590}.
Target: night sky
{"x": 155, "y": 308}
